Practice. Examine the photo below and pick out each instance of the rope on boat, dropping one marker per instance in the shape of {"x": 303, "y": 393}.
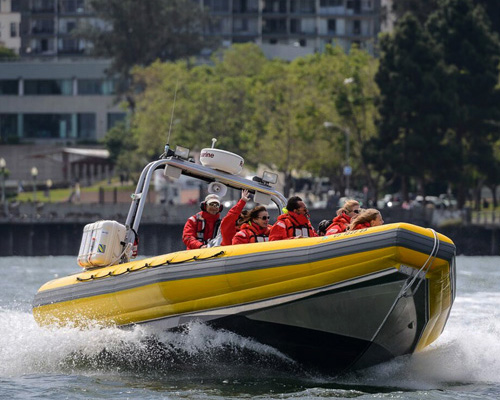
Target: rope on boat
{"x": 146, "y": 265}
{"x": 404, "y": 290}
{"x": 425, "y": 268}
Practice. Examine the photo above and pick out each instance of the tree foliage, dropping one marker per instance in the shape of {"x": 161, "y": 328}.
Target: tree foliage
{"x": 7, "y": 54}
{"x": 270, "y": 111}
{"x": 463, "y": 35}
{"x": 140, "y": 32}
{"x": 425, "y": 114}
{"x": 415, "y": 102}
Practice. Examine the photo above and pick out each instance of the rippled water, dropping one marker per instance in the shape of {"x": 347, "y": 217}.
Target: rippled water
{"x": 200, "y": 363}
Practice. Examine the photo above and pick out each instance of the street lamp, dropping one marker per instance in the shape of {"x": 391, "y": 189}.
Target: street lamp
{"x": 347, "y": 167}
{"x": 34, "y": 175}
{"x": 3, "y": 171}
{"x": 48, "y": 183}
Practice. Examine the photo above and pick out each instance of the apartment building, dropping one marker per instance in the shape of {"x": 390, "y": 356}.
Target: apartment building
{"x": 309, "y": 24}
{"x": 56, "y": 95}
{"x": 56, "y": 101}
{"x": 47, "y": 25}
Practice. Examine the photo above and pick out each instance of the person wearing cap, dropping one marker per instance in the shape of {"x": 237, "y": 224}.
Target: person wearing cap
{"x": 204, "y": 225}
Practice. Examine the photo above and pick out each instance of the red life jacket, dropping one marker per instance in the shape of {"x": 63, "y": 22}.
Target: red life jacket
{"x": 361, "y": 226}
{"x": 339, "y": 224}
{"x": 297, "y": 225}
{"x": 201, "y": 226}
{"x": 251, "y": 234}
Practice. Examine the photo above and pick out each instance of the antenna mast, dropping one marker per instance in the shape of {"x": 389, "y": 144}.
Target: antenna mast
{"x": 167, "y": 146}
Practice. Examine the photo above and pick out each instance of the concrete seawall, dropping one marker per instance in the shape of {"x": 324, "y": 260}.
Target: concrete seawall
{"x": 49, "y": 238}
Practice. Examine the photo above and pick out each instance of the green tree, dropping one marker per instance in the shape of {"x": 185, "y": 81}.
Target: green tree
{"x": 415, "y": 99}
{"x": 7, "y": 54}
{"x": 338, "y": 94}
{"x": 422, "y": 9}
{"x": 212, "y": 101}
{"x": 123, "y": 149}
{"x": 140, "y": 32}
{"x": 472, "y": 51}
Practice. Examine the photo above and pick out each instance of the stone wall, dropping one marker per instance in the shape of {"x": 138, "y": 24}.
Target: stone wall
{"x": 43, "y": 239}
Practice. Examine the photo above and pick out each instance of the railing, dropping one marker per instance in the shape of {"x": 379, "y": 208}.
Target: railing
{"x": 485, "y": 217}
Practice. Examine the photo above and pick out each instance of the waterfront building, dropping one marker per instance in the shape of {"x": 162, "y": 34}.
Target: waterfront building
{"x": 57, "y": 95}
{"x": 277, "y": 25}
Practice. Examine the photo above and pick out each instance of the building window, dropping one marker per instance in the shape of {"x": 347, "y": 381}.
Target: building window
{"x": 42, "y": 26}
{"x": 274, "y": 26}
{"x": 330, "y": 3}
{"x": 47, "y": 126}
{"x": 95, "y": 87}
{"x": 8, "y": 86}
{"x": 303, "y": 6}
{"x": 48, "y": 87}
{"x": 274, "y": 6}
{"x": 70, "y": 26}
{"x": 332, "y": 26}
{"x": 42, "y": 6}
{"x": 13, "y": 29}
{"x": 8, "y": 126}
{"x": 115, "y": 118}
{"x": 72, "y": 6}
{"x": 69, "y": 46}
{"x": 217, "y": 5}
{"x": 215, "y": 26}
{"x": 356, "y": 27}
{"x": 86, "y": 126}
{"x": 240, "y": 25}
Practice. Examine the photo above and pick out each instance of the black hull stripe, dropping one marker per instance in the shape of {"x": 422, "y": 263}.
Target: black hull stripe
{"x": 249, "y": 262}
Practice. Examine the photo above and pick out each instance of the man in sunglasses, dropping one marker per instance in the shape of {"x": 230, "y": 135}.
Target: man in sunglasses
{"x": 204, "y": 225}
{"x": 294, "y": 223}
{"x": 344, "y": 216}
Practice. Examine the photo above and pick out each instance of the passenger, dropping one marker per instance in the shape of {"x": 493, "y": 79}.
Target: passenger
{"x": 203, "y": 226}
{"x": 255, "y": 228}
{"x": 323, "y": 226}
{"x": 366, "y": 219}
{"x": 294, "y": 223}
{"x": 234, "y": 218}
{"x": 343, "y": 218}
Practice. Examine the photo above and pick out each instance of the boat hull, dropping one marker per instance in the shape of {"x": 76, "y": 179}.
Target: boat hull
{"x": 337, "y": 303}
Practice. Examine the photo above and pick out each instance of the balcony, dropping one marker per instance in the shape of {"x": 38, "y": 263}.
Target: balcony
{"x": 73, "y": 7}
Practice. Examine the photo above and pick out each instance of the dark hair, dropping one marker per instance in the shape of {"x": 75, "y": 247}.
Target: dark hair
{"x": 323, "y": 226}
{"x": 254, "y": 213}
{"x": 293, "y": 203}
{"x": 242, "y": 218}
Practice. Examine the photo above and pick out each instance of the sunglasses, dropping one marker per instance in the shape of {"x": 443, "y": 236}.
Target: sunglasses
{"x": 214, "y": 204}
{"x": 264, "y": 218}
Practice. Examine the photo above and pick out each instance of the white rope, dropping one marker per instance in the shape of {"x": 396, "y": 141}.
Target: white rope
{"x": 427, "y": 265}
{"x": 404, "y": 289}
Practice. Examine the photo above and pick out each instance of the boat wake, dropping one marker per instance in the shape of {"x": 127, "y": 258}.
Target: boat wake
{"x": 198, "y": 349}
{"x": 466, "y": 353}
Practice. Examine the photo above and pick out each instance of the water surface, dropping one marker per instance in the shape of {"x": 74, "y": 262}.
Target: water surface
{"x": 109, "y": 363}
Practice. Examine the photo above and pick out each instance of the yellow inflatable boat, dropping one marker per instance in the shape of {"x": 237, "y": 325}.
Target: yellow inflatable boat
{"x": 335, "y": 303}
